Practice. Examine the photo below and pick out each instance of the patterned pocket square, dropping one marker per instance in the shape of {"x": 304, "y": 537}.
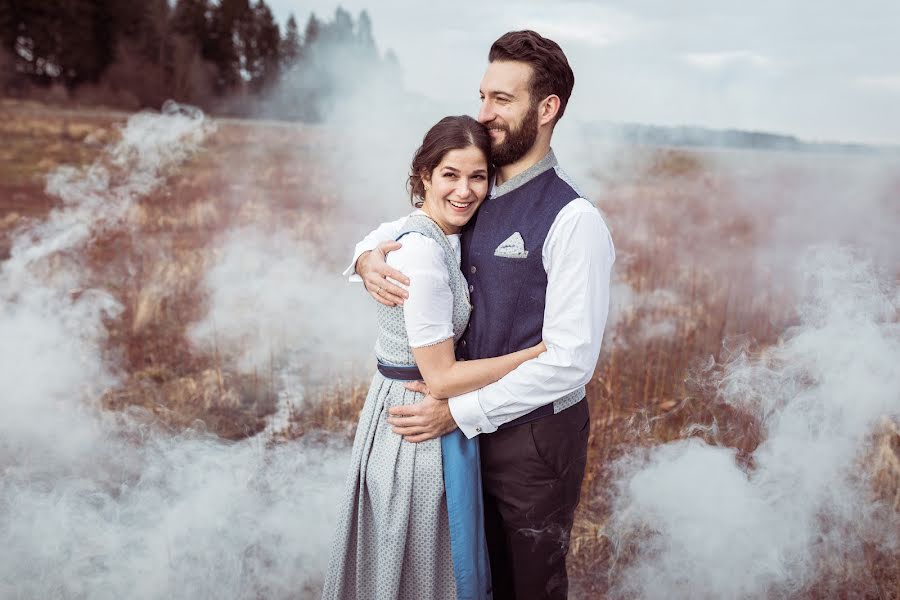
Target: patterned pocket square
{"x": 512, "y": 247}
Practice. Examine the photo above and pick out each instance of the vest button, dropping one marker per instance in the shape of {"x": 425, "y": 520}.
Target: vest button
{"x": 472, "y": 269}
{"x": 471, "y": 288}
{"x": 463, "y": 343}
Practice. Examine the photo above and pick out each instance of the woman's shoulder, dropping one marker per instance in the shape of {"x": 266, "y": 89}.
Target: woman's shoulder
{"x": 417, "y": 250}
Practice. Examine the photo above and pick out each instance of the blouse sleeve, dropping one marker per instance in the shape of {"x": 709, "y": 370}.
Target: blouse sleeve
{"x": 428, "y": 311}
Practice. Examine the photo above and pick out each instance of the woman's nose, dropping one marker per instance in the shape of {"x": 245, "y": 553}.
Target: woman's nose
{"x": 463, "y": 190}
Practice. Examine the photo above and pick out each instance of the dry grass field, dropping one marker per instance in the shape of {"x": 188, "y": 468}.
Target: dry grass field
{"x": 677, "y": 314}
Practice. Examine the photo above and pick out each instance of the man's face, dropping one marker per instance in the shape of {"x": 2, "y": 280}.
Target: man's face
{"x": 507, "y": 111}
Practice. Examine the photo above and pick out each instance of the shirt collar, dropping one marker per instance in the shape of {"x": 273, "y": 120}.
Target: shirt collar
{"x": 545, "y": 164}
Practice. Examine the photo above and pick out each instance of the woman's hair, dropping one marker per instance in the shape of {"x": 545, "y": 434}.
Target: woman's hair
{"x": 450, "y": 133}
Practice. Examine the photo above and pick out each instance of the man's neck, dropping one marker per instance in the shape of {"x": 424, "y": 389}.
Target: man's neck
{"x": 538, "y": 151}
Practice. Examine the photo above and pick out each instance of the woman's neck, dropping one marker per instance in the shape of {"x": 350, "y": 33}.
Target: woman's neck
{"x": 447, "y": 228}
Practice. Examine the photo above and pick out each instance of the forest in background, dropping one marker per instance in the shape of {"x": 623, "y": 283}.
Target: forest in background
{"x": 230, "y": 57}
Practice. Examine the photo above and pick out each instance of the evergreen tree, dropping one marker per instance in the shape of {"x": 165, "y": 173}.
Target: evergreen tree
{"x": 364, "y": 32}
{"x": 290, "y": 44}
{"x": 229, "y": 24}
{"x": 190, "y": 18}
{"x": 341, "y": 28}
{"x": 74, "y": 39}
{"x": 191, "y": 76}
{"x": 263, "y": 47}
{"x": 312, "y": 32}
{"x": 193, "y": 50}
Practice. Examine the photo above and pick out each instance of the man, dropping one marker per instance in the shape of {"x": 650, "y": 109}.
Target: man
{"x": 538, "y": 258}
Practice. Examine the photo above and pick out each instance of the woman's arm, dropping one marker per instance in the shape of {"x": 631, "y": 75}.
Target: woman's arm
{"x": 445, "y": 376}
{"x": 428, "y": 315}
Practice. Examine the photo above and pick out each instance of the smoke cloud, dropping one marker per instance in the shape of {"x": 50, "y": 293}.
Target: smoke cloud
{"x": 271, "y": 294}
{"x": 105, "y": 504}
{"x": 712, "y": 528}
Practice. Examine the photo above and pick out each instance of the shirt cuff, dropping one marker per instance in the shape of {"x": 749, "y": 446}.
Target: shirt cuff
{"x": 350, "y": 271}
{"x": 466, "y": 411}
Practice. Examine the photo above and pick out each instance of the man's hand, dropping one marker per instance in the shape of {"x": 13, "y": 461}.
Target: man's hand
{"x": 426, "y": 420}
{"x": 374, "y": 271}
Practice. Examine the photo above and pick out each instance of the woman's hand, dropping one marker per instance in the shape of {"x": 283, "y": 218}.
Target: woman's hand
{"x": 538, "y": 349}
{"x": 374, "y": 270}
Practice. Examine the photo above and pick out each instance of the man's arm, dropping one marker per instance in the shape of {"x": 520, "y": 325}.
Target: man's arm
{"x": 369, "y": 265}
{"x": 578, "y": 256}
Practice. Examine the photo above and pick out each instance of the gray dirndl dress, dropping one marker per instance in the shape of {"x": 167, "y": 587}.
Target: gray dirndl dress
{"x": 393, "y": 538}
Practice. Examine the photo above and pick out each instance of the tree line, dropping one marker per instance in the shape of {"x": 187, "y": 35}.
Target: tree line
{"x": 229, "y": 57}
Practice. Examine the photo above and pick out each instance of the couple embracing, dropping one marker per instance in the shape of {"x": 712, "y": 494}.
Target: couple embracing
{"x": 471, "y": 447}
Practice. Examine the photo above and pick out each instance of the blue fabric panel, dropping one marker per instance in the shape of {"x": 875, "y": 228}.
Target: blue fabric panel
{"x": 462, "y": 482}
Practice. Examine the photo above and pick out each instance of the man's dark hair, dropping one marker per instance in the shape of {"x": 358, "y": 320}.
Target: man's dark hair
{"x": 552, "y": 73}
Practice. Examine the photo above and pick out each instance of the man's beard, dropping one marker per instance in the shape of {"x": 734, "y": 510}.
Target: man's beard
{"x": 518, "y": 142}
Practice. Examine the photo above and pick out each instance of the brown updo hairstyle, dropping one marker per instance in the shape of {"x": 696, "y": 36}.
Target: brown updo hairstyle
{"x": 450, "y": 133}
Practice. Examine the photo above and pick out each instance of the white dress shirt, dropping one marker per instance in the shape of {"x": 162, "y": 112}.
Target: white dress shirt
{"x": 577, "y": 255}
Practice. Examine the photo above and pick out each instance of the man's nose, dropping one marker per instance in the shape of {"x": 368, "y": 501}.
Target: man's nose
{"x": 486, "y": 112}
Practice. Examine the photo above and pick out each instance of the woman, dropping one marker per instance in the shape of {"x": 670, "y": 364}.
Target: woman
{"x": 411, "y": 526}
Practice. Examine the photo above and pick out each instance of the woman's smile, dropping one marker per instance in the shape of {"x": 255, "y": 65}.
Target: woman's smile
{"x": 460, "y": 206}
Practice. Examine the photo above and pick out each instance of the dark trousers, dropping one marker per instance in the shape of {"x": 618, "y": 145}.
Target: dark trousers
{"x": 531, "y": 474}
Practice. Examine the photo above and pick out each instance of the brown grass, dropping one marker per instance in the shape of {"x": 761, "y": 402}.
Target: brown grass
{"x": 643, "y": 393}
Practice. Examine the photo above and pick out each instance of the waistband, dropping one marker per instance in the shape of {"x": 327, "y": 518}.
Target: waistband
{"x": 538, "y": 413}
{"x": 400, "y": 373}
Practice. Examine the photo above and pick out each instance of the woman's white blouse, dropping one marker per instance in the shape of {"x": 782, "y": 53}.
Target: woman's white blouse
{"x": 428, "y": 311}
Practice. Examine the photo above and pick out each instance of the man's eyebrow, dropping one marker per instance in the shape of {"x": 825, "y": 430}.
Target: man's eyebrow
{"x": 498, "y": 93}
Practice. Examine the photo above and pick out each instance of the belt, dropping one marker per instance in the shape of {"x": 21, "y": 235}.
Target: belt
{"x": 401, "y": 373}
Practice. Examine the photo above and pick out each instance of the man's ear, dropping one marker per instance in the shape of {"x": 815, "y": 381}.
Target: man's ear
{"x": 548, "y": 110}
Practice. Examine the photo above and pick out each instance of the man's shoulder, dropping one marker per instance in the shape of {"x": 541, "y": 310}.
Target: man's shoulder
{"x": 566, "y": 182}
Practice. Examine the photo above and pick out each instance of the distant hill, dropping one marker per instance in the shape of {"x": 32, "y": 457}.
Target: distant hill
{"x": 657, "y": 135}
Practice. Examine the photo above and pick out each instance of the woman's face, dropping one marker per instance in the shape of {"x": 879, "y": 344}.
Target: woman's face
{"x": 456, "y": 187}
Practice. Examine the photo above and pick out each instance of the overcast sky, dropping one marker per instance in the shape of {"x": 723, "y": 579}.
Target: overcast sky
{"x": 821, "y": 70}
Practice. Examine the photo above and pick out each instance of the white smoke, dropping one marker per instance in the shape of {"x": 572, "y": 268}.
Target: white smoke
{"x": 140, "y": 515}
{"x": 713, "y": 529}
{"x": 96, "y": 504}
{"x": 270, "y": 294}
{"x": 651, "y": 308}
{"x": 52, "y": 327}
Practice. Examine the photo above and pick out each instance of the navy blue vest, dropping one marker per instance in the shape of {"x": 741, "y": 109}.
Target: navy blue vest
{"x": 507, "y": 293}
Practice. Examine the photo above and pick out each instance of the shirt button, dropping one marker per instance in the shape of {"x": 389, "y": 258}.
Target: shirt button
{"x": 472, "y": 269}
{"x": 478, "y": 429}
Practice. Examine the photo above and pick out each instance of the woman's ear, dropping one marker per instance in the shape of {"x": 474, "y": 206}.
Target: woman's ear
{"x": 426, "y": 179}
